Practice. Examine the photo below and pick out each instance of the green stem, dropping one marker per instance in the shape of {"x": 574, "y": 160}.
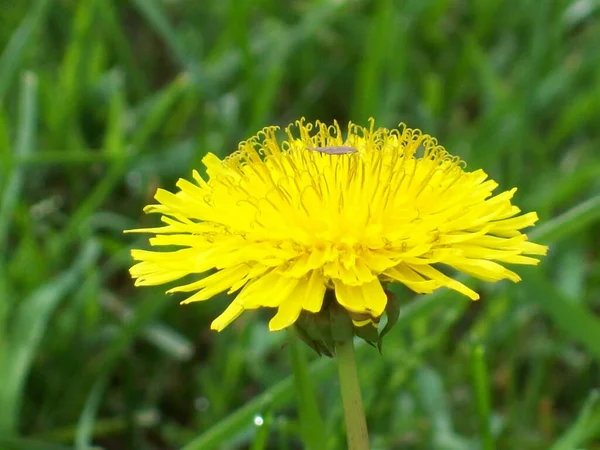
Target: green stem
{"x": 354, "y": 412}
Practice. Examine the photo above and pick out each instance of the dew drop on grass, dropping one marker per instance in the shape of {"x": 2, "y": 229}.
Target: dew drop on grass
{"x": 259, "y": 420}
{"x": 202, "y": 404}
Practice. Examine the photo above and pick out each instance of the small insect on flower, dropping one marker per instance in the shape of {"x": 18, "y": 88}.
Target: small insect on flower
{"x": 286, "y": 225}
{"x": 334, "y": 150}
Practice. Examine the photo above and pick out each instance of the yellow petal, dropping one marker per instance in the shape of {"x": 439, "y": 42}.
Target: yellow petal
{"x": 445, "y": 280}
{"x": 485, "y": 270}
{"x": 224, "y": 277}
{"x": 213, "y": 284}
{"x": 411, "y": 279}
{"x": 149, "y": 274}
{"x": 366, "y": 298}
{"x": 269, "y": 290}
{"x": 233, "y": 311}
{"x": 313, "y": 290}
{"x": 287, "y": 313}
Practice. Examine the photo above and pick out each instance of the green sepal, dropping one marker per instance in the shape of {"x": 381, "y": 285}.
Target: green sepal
{"x": 322, "y": 330}
{"x": 302, "y": 334}
{"x": 334, "y": 324}
{"x": 341, "y": 324}
{"x": 392, "y": 311}
{"x": 315, "y": 330}
{"x": 367, "y": 333}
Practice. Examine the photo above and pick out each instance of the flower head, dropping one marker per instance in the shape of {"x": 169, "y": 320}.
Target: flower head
{"x": 284, "y": 220}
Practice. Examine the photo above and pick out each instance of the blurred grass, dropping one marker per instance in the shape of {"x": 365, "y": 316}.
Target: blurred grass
{"x": 103, "y": 101}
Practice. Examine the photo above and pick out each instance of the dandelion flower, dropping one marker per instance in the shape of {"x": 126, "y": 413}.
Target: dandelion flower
{"x": 285, "y": 219}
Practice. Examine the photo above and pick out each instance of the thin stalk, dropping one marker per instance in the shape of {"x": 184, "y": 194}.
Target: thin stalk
{"x": 354, "y": 412}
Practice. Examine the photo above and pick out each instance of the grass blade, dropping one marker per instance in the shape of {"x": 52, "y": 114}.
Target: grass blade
{"x": 24, "y": 146}
{"x": 157, "y": 18}
{"x": 262, "y": 434}
{"x": 28, "y": 444}
{"x": 313, "y": 428}
{"x": 28, "y": 327}
{"x": 157, "y": 114}
{"x": 87, "y": 419}
{"x": 481, "y": 385}
{"x": 10, "y": 60}
{"x": 241, "y": 419}
{"x": 574, "y": 220}
{"x": 573, "y": 318}
{"x": 586, "y": 426}
{"x": 145, "y": 313}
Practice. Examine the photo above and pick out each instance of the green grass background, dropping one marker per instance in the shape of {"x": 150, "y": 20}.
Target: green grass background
{"x": 102, "y": 101}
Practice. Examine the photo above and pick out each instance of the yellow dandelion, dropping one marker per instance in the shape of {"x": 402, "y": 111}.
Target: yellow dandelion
{"x": 283, "y": 221}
